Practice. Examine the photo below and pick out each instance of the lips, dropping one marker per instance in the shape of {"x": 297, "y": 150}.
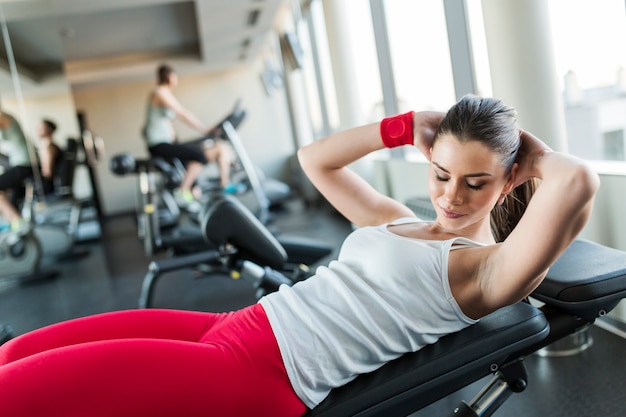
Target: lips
{"x": 450, "y": 214}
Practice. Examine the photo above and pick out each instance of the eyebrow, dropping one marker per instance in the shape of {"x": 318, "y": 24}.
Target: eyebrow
{"x": 476, "y": 174}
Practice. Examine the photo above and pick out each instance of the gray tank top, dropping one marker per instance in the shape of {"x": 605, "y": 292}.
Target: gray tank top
{"x": 158, "y": 128}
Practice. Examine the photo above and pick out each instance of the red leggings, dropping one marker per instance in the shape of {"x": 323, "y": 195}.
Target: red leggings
{"x": 148, "y": 363}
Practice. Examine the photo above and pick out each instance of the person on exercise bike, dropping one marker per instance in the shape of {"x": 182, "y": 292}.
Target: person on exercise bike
{"x": 399, "y": 283}
{"x": 161, "y": 139}
{"x": 13, "y": 142}
{"x": 49, "y": 153}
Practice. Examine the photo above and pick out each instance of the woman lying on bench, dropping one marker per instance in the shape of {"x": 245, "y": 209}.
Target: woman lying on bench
{"x": 398, "y": 285}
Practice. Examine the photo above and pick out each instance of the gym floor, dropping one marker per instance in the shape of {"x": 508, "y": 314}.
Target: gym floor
{"x": 109, "y": 278}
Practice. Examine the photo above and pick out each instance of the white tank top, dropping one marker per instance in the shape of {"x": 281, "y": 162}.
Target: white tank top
{"x": 13, "y": 144}
{"x": 386, "y": 295}
{"x": 158, "y": 128}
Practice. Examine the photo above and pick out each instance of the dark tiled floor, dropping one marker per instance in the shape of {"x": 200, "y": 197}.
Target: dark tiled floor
{"x": 109, "y": 278}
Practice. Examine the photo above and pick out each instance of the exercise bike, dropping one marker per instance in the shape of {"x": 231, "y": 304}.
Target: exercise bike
{"x": 57, "y": 216}
{"x": 54, "y": 220}
{"x": 21, "y": 253}
{"x": 267, "y": 192}
{"x": 157, "y": 209}
{"x": 20, "y": 256}
{"x": 158, "y": 215}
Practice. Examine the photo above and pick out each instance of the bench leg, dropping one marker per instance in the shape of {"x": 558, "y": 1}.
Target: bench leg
{"x": 507, "y": 380}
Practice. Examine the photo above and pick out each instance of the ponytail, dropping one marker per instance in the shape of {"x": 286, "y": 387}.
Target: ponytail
{"x": 505, "y": 217}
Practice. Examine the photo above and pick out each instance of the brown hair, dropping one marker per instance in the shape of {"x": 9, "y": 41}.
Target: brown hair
{"x": 493, "y": 124}
{"x": 163, "y": 74}
{"x": 50, "y": 125}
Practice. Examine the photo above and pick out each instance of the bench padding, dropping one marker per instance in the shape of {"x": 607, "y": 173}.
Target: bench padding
{"x": 456, "y": 360}
{"x": 587, "y": 280}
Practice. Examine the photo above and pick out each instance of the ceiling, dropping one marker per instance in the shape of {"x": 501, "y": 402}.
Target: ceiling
{"x": 87, "y": 42}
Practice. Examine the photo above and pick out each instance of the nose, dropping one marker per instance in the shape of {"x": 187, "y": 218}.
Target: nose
{"x": 453, "y": 193}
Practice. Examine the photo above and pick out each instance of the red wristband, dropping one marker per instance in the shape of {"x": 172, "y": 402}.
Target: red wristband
{"x": 397, "y": 130}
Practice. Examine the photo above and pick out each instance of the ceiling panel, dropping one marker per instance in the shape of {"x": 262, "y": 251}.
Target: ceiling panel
{"x": 95, "y": 41}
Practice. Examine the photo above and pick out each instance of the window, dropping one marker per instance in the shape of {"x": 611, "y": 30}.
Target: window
{"x": 590, "y": 59}
{"x": 420, "y": 54}
{"x": 320, "y": 86}
{"x": 614, "y": 145}
{"x": 589, "y": 40}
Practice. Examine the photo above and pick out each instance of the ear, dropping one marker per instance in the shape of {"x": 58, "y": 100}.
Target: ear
{"x": 510, "y": 184}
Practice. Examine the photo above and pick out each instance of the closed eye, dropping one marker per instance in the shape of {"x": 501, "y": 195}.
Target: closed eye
{"x": 470, "y": 186}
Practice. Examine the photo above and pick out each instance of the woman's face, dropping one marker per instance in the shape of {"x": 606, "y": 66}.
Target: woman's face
{"x": 465, "y": 181}
{"x": 173, "y": 79}
{"x": 42, "y": 130}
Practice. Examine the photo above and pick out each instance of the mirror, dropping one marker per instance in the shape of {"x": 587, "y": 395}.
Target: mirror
{"x": 34, "y": 87}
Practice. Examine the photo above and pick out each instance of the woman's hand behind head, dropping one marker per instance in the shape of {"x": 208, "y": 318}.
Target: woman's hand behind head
{"x": 530, "y": 152}
{"x": 425, "y": 125}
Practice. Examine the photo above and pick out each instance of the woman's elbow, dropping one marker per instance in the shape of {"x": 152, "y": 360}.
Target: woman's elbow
{"x": 303, "y": 157}
{"x": 588, "y": 181}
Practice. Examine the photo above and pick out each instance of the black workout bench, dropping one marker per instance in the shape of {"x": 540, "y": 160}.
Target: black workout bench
{"x": 586, "y": 282}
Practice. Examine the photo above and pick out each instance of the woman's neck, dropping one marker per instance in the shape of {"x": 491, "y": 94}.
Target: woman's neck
{"x": 478, "y": 232}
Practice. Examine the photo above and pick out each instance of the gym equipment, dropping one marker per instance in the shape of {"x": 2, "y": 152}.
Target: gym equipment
{"x": 157, "y": 178}
{"x": 54, "y": 223}
{"x": 267, "y": 192}
{"x": 242, "y": 247}
{"x": 586, "y": 282}
{"x": 92, "y": 151}
{"x": 20, "y": 255}
{"x": 156, "y": 206}
{"x": 80, "y": 217}
{"x": 5, "y": 333}
{"x": 56, "y": 218}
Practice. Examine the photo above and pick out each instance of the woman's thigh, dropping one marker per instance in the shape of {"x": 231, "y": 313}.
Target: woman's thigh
{"x": 143, "y": 377}
{"x": 140, "y": 323}
{"x": 14, "y": 177}
{"x": 184, "y": 152}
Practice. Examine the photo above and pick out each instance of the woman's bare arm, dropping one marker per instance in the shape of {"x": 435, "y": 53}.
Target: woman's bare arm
{"x": 167, "y": 99}
{"x": 556, "y": 214}
{"x": 326, "y": 163}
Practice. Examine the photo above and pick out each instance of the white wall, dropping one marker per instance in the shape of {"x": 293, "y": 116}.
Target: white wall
{"x": 117, "y": 112}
